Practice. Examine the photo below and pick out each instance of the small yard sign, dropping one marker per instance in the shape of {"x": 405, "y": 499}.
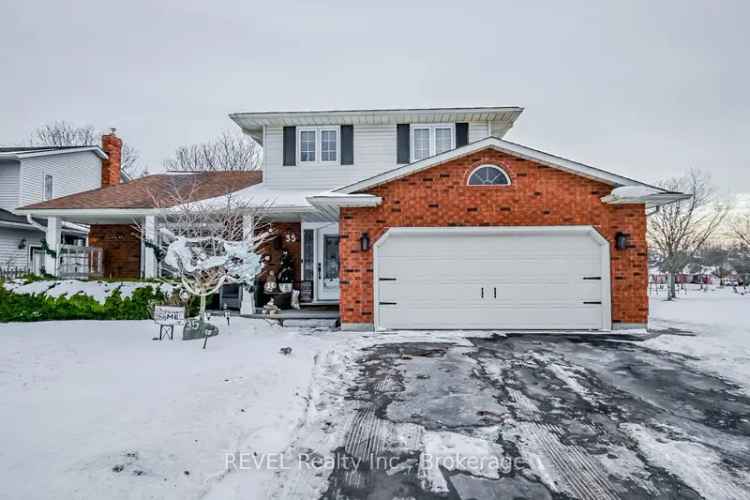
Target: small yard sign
{"x": 167, "y": 317}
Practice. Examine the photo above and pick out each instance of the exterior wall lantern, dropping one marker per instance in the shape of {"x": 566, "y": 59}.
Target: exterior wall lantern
{"x": 22, "y": 244}
{"x": 364, "y": 242}
{"x": 622, "y": 241}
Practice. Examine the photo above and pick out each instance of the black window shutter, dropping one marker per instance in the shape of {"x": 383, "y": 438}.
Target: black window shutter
{"x": 290, "y": 146}
{"x": 347, "y": 144}
{"x": 402, "y": 143}
{"x": 462, "y": 134}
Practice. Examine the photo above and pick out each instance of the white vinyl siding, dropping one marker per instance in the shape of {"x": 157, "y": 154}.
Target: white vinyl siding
{"x": 72, "y": 173}
{"x": 374, "y": 153}
{"x": 478, "y": 131}
{"x": 10, "y": 254}
{"x": 9, "y": 185}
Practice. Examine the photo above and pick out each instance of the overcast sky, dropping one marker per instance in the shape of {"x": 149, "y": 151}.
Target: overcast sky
{"x": 647, "y": 89}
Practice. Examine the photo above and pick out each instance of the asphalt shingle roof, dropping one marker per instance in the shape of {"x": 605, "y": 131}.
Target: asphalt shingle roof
{"x": 156, "y": 190}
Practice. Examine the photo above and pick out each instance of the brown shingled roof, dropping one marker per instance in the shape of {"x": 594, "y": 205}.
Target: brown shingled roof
{"x": 140, "y": 193}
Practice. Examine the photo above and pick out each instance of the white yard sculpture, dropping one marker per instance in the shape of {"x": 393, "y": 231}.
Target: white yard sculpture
{"x": 210, "y": 244}
{"x": 206, "y": 264}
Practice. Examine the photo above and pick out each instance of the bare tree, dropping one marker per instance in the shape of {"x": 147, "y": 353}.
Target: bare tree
{"x": 208, "y": 243}
{"x": 679, "y": 230}
{"x": 62, "y": 133}
{"x": 739, "y": 228}
{"x": 230, "y": 151}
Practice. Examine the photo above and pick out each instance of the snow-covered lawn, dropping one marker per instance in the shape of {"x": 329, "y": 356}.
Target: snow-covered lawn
{"x": 100, "y": 410}
{"x": 720, "y": 320}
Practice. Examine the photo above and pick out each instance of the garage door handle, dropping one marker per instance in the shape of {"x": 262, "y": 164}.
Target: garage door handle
{"x": 494, "y": 291}
{"x": 482, "y": 293}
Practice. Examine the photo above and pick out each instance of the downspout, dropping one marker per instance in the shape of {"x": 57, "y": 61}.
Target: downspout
{"x": 655, "y": 211}
{"x": 35, "y": 223}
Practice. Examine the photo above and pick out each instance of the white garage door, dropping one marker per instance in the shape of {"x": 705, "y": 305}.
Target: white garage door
{"x": 492, "y": 278}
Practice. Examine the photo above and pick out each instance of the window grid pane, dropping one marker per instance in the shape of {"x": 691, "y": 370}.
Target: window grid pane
{"x": 307, "y": 145}
{"x": 443, "y": 139}
{"x": 488, "y": 176}
{"x": 328, "y": 145}
{"x": 421, "y": 143}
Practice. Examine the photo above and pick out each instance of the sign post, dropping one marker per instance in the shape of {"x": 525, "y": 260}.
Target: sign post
{"x": 167, "y": 317}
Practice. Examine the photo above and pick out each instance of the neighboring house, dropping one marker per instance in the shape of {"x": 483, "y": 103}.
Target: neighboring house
{"x": 422, "y": 218}
{"x": 36, "y": 174}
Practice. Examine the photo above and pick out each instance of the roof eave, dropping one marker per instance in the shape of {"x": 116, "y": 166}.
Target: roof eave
{"x": 650, "y": 201}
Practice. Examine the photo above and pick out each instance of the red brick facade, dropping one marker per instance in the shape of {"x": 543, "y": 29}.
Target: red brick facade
{"x": 122, "y": 249}
{"x": 538, "y": 196}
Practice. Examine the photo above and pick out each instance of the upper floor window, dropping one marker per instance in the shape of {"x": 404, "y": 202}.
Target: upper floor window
{"x": 488, "y": 175}
{"x": 431, "y": 139}
{"x": 48, "y": 187}
{"x": 307, "y": 145}
{"x": 318, "y": 144}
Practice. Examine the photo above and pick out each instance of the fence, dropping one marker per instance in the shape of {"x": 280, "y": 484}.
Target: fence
{"x": 11, "y": 273}
{"x": 77, "y": 262}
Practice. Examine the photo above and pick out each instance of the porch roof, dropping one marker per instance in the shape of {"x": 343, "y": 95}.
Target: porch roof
{"x": 153, "y": 191}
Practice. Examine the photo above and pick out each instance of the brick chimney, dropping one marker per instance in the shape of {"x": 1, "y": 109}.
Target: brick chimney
{"x": 112, "y": 145}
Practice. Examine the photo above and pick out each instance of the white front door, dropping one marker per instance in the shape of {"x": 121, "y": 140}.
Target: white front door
{"x": 525, "y": 278}
{"x": 327, "y": 262}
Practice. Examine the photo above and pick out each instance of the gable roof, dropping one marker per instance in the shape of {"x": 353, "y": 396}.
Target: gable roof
{"x": 503, "y": 146}
{"x": 252, "y": 123}
{"x": 153, "y": 191}
{"x": 21, "y": 152}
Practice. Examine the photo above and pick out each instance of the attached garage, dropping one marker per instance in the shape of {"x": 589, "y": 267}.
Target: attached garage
{"x": 545, "y": 277}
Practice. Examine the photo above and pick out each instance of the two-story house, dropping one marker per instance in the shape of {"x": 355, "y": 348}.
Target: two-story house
{"x": 37, "y": 174}
{"x": 420, "y": 218}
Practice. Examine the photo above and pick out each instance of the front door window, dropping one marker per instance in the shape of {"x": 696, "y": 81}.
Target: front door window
{"x": 331, "y": 258}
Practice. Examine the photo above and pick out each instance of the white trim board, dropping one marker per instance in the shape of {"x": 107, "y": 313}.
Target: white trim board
{"x": 498, "y": 145}
{"x": 606, "y": 295}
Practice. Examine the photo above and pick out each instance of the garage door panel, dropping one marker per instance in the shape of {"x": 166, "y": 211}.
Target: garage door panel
{"x": 469, "y": 268}
{"x": 526, "y": 318}
{"x": 534, "y": 281}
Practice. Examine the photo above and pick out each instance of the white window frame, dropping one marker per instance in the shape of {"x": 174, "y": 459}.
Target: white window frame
{"x": 433, "y": 143}
{"x": 51, "y": 187}
{"x": 489, "y": 165}
{"x": 319, "y": 145}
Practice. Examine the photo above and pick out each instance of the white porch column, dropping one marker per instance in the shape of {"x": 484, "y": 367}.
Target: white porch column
{"x": 150, "y": 266}
{"x": 52, "y": 237}
{"x": 247, "y": 299}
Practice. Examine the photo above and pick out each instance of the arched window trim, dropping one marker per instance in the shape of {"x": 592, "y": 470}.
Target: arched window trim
{"x": 490, "y": 165}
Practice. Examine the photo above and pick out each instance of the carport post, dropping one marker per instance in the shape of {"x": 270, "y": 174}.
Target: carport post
{"x": 52, "y": 238}
{"x": 149, "y": 257}
{"x": 246, "y": 294}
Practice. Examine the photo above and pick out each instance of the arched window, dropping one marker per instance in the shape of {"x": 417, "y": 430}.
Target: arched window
{"x": 488, "y": 175}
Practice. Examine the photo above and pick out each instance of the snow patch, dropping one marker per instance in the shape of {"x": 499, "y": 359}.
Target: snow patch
{"x": 696, "y": 465}
{"x": 456, "y": 452}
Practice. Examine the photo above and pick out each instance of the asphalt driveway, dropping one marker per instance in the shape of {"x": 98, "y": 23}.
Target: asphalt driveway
{"x": 540, "y": 417}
